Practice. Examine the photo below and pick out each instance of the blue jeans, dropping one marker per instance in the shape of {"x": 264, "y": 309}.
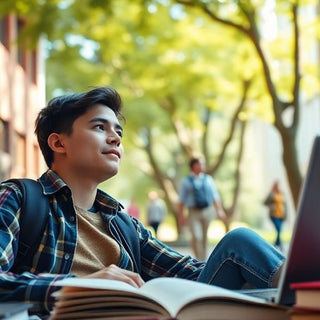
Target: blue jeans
{"x": 278, "y": 225}
{"x": 242, "y": 257}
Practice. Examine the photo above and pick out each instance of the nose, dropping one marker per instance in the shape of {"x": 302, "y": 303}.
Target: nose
{"x": 113, "y": 138}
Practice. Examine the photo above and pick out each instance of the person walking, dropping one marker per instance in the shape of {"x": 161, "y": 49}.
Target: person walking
{"x": 199, "y": 194}
{"x": 156, "y": 211}
{"x": 133, "y": 209}
{"x": 277, "y": 206}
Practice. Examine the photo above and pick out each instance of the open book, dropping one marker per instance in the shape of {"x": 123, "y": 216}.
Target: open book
{"x": 161, "y": 298}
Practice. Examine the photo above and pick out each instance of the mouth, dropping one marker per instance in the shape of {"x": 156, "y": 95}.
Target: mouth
{"x": 114, "y": 152}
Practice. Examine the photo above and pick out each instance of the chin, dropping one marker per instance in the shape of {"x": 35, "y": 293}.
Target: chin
{"x": 111, "y": 173}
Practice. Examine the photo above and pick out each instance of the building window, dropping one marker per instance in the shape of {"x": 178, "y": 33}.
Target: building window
{"x": 4, "y": 36}
{"x": 19, "y": 154}
{"x": 4, "y": 31}
{"x": 4, "y": 136}
{"x": 33, "y": 67}
{"x": 5, "y": 159}
{"x": 21, "y": 52}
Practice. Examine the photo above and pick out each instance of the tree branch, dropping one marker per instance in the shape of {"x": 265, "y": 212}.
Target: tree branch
{"x": 213, "y": 168}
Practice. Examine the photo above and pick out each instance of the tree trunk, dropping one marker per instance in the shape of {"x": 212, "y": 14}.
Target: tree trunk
{"x": 290, "y": 160}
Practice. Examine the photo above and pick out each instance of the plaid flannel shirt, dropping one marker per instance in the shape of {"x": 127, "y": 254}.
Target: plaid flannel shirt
{"x": 53, "y": 259}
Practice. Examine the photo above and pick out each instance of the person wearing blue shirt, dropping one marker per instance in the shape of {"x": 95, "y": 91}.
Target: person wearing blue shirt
{"x": 199, "y": 218}
{"x": 87, "y": 234}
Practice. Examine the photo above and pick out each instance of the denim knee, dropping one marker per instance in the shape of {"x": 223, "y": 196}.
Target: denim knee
{"x": 239, "y": 236}
{"x": 253, "y": 260}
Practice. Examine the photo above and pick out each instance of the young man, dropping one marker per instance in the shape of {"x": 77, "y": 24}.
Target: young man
{"x": 87, "y": 234}
{"x": 199, "y": 218}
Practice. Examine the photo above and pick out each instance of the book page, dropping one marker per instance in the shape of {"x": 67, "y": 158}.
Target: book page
{"x": 171, "y": 293}
{"x": 174, "y": 293}
{"x": 77, "y": 293}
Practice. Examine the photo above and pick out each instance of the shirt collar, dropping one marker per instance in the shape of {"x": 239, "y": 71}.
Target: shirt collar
{"x": 200, "y": 175}
{"x": 52, "y": 183}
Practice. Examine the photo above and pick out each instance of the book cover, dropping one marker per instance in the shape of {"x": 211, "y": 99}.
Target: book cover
{"x": 161, "y": 298}
{"x": 307, "y": 294}
{"x": 298, "y": 313}
{"x": 309, "y": 285}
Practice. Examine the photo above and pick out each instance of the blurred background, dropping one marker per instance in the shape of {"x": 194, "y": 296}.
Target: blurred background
{"x": 236, "y": 82}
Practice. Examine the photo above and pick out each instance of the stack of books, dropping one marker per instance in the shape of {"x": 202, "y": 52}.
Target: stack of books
{"x": 307, "y": 305}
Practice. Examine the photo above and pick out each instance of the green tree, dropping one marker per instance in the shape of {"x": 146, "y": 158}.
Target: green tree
{"x": 284, "y": 90}
{"x": 181, "y": 84}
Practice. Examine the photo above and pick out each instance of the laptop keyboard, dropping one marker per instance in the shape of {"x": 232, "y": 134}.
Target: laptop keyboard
{"x": 267, "y": 294}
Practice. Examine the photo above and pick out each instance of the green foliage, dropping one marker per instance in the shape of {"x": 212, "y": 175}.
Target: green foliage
{"x": 170, "y": 63}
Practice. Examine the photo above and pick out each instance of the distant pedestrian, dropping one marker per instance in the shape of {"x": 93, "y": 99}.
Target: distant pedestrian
{"x": 133, "y": 209}
{"x": 156, "y": 211}
{"x": 277, "y": 206}
{"x": 200, "y": 195}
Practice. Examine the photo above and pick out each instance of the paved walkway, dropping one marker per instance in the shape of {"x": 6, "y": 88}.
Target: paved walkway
{"x": 185, "y": 249}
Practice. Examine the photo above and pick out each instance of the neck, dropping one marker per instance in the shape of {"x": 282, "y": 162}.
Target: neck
{"x": 83, "y": 196}
{"x": 83, "y": 190}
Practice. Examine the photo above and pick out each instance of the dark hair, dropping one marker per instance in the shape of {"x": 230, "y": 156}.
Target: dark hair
{"x": 193, "y": 161}
{"x": 61, "y": 112}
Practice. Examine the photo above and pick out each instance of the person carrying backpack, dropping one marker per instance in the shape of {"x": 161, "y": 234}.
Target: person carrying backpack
{"x": 86, "y": 232}
{"x": 199, "y": 194}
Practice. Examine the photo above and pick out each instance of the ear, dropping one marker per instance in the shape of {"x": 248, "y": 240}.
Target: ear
{"x": 55, "y": 142}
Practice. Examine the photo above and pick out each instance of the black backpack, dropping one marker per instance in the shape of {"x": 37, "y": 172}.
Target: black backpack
{"x": 33, "y": 219}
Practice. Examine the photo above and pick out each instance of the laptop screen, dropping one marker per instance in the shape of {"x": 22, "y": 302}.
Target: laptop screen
{"x": 303, "y": 259}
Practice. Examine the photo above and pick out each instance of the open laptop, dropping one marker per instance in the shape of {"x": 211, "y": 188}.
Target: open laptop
{"x": 303, "y": 258}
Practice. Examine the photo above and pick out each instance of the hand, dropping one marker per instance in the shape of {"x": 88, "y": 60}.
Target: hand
{"x": 181, "y": 217}
{"x": 222, "y": 215}
{"x": 182, "y": 220}
{"x": 113, "y": 272}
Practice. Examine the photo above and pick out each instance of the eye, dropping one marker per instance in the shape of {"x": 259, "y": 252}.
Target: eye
{"x": 99, "y": 127}
{"x": 120, "y": 133}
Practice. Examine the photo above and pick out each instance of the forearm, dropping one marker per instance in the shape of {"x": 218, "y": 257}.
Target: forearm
{"x": 219, "y": 209}
{"x": 181, "y": 217}
{"x": 160, "y": 260}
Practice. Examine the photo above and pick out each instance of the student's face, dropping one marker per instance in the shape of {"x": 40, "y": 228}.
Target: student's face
{"x": 94, "y": 147}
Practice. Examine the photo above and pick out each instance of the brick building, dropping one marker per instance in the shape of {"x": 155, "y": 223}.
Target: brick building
{"x": 22, "y": 93}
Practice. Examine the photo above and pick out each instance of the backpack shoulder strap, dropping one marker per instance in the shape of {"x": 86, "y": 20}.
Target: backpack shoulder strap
{"x": 203, "y": 182}
{"x": 33, "y": 218}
